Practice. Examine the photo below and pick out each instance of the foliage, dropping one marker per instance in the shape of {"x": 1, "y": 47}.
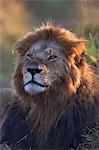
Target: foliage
{"x": 93, "y": 50}
{"x": 91, "y": 137}
{"x": 13, "y": 21}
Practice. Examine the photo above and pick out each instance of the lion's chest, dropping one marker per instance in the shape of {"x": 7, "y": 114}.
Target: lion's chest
{"x": 17, "y": 132}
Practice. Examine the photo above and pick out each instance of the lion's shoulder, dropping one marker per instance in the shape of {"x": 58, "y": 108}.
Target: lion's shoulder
{"x": 7, "y": 97}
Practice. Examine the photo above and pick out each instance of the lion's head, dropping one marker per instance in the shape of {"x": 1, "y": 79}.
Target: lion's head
{"x": 40, "y": 66}
{"x": 50, "y": 58}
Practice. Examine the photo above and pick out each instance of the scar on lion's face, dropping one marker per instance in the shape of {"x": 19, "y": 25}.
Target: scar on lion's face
{"x": 39, "y": 66}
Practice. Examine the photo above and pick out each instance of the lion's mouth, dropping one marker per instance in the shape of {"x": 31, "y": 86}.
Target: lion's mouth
{"x": 32, "y": 81}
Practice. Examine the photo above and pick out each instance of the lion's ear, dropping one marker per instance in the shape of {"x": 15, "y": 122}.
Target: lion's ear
{"x": 23, "y": 44}
{"x": 17, "y": 47}
{"x": 78, "y": 46}
{"x": 78, "y": 51}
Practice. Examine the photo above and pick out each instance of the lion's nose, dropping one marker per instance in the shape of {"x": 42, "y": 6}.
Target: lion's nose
{"x": 34, "y": 71}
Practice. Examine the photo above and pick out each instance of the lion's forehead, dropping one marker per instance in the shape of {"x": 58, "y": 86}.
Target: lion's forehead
{"x": 46, "y": 47}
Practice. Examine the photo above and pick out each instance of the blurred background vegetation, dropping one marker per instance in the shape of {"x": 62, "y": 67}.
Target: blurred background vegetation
{"x": 20, "y": 16}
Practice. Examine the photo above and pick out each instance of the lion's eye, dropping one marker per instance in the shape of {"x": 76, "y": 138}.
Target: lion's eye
{"x": 52, "y": 57}
{"x": 29, "y": 56}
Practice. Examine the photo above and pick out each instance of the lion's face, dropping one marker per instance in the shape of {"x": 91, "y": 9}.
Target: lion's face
{"x": 40, "y": 66}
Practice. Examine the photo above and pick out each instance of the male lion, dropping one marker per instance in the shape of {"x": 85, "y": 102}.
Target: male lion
{"x": 55, "y": 94}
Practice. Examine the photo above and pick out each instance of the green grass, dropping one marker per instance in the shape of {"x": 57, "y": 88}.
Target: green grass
{"x": 92, "y": 135}
{"x": 93, "y": 50}
{"x": 91, "y": 138}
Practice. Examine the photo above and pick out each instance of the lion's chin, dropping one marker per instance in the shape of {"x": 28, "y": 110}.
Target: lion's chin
{"x": 33, "y": 88}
